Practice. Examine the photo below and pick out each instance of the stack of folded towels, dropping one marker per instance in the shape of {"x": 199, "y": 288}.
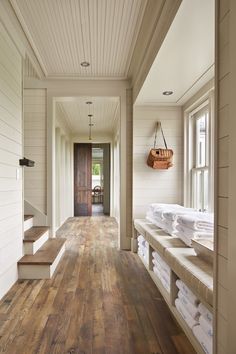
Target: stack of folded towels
{"x": 204, "y": 330}
{"x": 165, "y": 215}
{"x": 187, "y": 304}
{"x": 143, "y": 248}
{"x": 195, "y": 225}
{"x": 186, "y": 223}
{"x": 196, "y": 315}
{"x": 162, "y": 270}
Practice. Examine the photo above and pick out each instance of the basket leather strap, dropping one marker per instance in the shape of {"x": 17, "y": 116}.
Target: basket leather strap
{"x": 163, "y": 136}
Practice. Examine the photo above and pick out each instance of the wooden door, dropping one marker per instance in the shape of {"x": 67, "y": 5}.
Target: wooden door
{"x": 82, "y": 179}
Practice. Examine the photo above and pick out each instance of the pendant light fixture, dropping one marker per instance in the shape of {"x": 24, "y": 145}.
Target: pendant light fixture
{"x": 90, "y": 120}
{"x": 90, "y": 126}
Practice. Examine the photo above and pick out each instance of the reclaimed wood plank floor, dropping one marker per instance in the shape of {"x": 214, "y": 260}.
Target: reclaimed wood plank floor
{"x": 100, "y": 300}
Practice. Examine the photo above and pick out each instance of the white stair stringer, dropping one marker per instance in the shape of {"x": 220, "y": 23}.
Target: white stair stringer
{"x": 36, "y": 267}
{"x": 28, "y": 223}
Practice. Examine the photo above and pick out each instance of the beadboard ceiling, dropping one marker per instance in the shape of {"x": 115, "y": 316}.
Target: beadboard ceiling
{"x": 185, "y": 62}
{"x": 105, "y": 111}
{"x": 64, "y": 33}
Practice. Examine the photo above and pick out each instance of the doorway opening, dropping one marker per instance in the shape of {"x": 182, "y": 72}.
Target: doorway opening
{"x": 91, "y": 179}
{"x": 97, "y": 181}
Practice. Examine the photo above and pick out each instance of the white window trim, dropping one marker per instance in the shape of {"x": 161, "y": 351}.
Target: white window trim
{"x": 208, "y": 98}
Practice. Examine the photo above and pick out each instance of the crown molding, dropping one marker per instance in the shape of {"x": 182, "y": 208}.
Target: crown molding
{"x": 34, "y": 55}
{"x": 14, "y": 29}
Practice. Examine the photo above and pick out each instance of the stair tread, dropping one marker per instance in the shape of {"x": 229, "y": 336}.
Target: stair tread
{"x": 27, "y": 217}
{"x": 34, "y": 233}
{"x": 46, "y": 255}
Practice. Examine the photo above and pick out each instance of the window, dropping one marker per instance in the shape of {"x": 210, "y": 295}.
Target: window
{"x": 199, "y": 157}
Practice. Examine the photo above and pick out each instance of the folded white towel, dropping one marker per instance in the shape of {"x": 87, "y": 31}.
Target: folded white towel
{"x": 184, "y": 313}
{"x": 154, "y": 220}
{"x": 186, "y": 240}
{"x": 205, "y": 313}
{"x": 190, "y": 233}
{"x": 197, "y": 221}
{"x": 204, "y": 340}
{"x": 187, "y": 292}
{"x": 191, "y": 308}
{"x": 206, "y": 326}
{"x": 160, "y": 206}
{"x": 172, "y": 215}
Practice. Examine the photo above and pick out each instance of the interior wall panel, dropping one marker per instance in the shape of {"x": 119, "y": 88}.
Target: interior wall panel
{"x": 11, "y": 213}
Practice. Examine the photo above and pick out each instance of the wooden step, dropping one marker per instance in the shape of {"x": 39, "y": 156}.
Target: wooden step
{"x": 28, "y": 222}
{"x": 27, "y": 217}
{"x": 43, "y": 263}
{"x": 34, "y": 238}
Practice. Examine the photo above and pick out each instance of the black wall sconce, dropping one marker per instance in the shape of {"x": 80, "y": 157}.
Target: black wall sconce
{"x": 26, "y": 162}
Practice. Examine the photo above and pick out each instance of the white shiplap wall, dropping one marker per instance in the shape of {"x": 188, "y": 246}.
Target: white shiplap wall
{"x": 161, "y": 186}
{"x": 63, "y": 164}
{"x": 35, "y": 147}
{"x": 10, "y": 152}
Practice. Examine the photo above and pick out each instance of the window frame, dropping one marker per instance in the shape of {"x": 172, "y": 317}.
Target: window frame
{"x": 190, "y": 149}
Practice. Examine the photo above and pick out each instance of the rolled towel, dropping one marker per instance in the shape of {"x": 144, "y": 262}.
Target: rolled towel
{"x": 191, "y": 322}
{"x": 205, "y": 313}
{"x": 192, "y": 309}
{"x": 157, "y": 271}
{"x": 206, "y": 326}
{"x": 164, "y": 267}
{"x": 159, "y": 259}
{"x": 187, "y": 292}
{"x": 146, "y": 244}
{"x": 140, "y": 239}
{"x": 165, "y": 281}
{"x": 204, "y": 340}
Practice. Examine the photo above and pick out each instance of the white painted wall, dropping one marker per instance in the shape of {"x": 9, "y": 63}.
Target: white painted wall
{"x": 116, "y": 178}
{"x": 11, "y": 213}
{"x": 35, "y": 148}
{"x": 63, "y": 165}
{"x": 149, "y": 185}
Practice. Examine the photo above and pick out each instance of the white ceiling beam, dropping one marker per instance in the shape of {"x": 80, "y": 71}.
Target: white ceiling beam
{"x": 157, "y": 19}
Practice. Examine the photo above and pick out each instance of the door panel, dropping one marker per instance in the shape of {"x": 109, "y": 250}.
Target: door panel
{"x": 82, "y": 179}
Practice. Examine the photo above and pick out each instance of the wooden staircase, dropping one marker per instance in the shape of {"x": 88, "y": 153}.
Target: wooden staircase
{"x": 41, "y": 254}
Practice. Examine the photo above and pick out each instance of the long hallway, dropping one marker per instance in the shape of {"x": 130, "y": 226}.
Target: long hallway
{"x": 100, "y": 300}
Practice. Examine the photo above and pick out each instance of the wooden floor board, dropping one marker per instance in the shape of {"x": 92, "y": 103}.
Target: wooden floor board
{"x": 99, "y": 301}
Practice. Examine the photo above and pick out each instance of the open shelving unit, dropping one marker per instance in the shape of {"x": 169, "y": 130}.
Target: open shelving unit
{"x": 170, "y": 297}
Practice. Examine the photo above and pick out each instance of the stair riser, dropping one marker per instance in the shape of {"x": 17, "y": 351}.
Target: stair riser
{"x": 33, "y": 247}
{"x": 28, "y": 224}
{"x": 39, "y": 271}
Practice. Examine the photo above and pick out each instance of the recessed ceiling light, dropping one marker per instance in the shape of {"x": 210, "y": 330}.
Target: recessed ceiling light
{"x": 167, "y": 93}
{"x": 85, "y": 64}
{"x": 89, "y": 102}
